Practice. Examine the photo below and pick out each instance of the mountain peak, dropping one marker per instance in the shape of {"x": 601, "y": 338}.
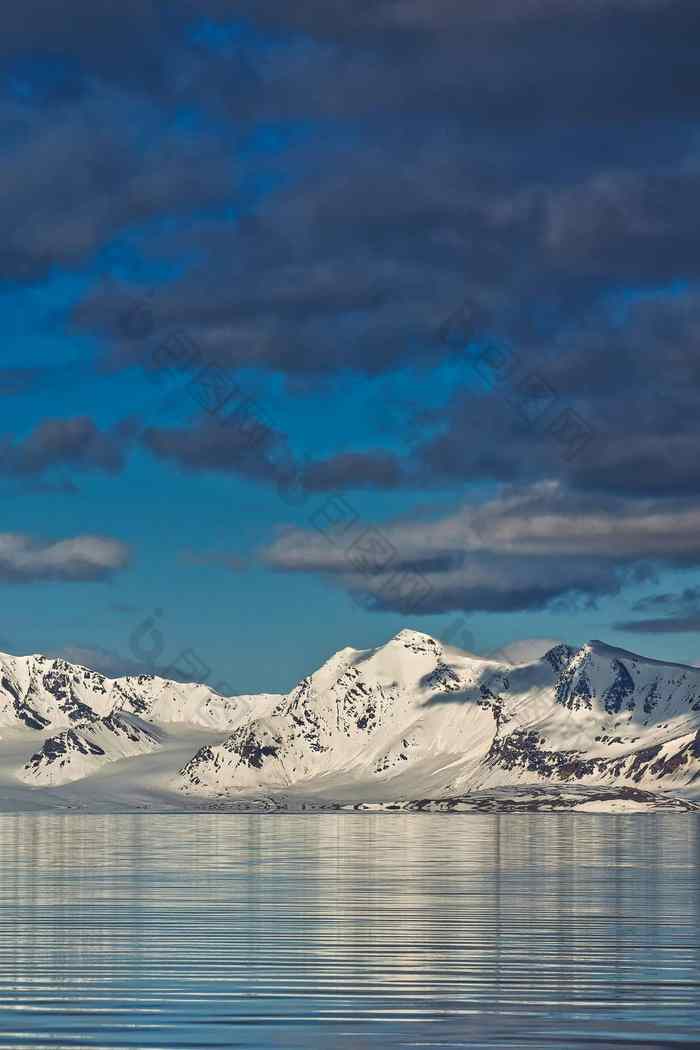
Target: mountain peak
{"x": 409, "y": 637}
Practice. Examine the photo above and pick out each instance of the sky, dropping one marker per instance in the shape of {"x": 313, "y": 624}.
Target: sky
{"x": 320, "y": 320}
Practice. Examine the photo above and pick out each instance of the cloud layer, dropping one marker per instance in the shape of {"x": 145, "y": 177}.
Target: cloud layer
{"x": 523, "y": 550}
{"x": 324, "y": 193}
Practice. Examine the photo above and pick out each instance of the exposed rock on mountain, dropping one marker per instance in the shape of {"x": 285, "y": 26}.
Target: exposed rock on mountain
{"x": 76, "y": 753}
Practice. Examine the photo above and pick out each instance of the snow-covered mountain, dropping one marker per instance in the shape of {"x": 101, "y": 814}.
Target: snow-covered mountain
{"x": 410, "y": 724}
{"x": 364, "y": 718}
{"x": 41, "y": 693}
{"x": 77, "y": 720}
{"x": 415, "y": 718}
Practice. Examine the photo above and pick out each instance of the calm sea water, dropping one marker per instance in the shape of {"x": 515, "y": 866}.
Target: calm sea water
{"x": 347, "y": 930}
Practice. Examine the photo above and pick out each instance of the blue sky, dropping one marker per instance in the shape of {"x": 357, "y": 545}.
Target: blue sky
{"x": 421, "y": 262}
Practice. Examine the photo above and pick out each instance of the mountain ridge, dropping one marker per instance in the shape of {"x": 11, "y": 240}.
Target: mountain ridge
{"x": 412, "y": 719}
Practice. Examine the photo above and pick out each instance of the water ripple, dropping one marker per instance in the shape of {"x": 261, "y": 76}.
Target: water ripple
{"x": 386, "y": 930}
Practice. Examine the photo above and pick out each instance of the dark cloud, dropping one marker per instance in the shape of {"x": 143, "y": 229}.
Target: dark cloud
{"x": 483, "y": 163}
{"x": 351, "y": 470}
{"x": 351, "y": 270}
{"x": 642, "y": 224}
{"x": 524, "y": 550}
{"x": 238, "y": 441}
{"x": 677, "y": 613}
{"x": 669, "y": 625}
{"x": 360, "y": 264}
{"x": 24, "y": 559}
{"x": 627, "y": 375}
{"x": 240, "y": 444}
{"x": 669, "y": 602}
{"x": 253, "y": 448}
{"x": 72, "y": 182}
{"x": 77, "y": 443}
{"x": 392, "y": 160}
{"x": 514, "y": 63}
{"x": 40, "y": 28}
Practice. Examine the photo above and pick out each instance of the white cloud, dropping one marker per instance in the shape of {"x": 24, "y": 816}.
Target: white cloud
{"x": 24, "y": 559}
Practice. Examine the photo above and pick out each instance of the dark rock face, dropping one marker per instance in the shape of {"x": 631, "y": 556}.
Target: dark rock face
{"x": 559, "y": 657}
{"x": 9, "y": 687}
{"x": 138, "y": 705}
{"x": 121, "y": 726}
{"x": 303, "y": 715}
{"x": 444, "y": 679}
{"x": 251, "y": 750}
{"x": 204, "y": 756}
{"x": 496, "y": 704}
{"x": 620, "y": 691}
{"x": 688, "y": 755}
{"x": 31, "y": 718}
{"x": 652, "y": 697}
{"x": 524, "y": 751}
{"x": 358, "y": 705}
{"x": 56, "y": 748}
{"x": 57, "y": 682}
{"x": 250, "y": 747}
{"x": 573, "y": 688}
{"x": 24, "y": 711}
